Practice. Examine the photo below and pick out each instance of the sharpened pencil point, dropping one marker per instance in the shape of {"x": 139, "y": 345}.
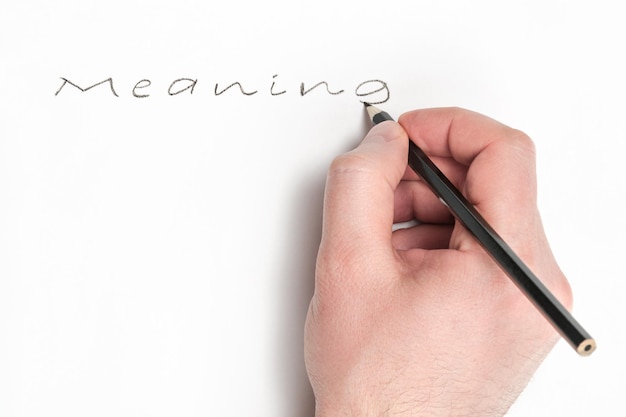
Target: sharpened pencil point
{"x": 373, "y": 111}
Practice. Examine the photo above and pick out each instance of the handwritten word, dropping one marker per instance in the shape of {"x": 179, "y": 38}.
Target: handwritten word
{"x": 370, "y": 91}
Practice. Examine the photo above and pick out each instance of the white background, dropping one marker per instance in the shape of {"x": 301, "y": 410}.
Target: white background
{"x": 157, "y": 254}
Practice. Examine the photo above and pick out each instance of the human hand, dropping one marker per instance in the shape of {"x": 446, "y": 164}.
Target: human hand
{"x": 421, "y": 321}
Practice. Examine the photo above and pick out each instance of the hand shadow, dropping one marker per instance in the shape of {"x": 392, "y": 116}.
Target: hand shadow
{"x": 297, "y": 290}
{"x": 298, "y": 274}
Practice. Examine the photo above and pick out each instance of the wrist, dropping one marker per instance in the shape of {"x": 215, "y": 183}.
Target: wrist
{"x": 392, "y": 410}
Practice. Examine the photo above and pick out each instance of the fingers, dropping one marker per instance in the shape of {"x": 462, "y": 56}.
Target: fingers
{"x": 500, "y": 179}
{"x": 492, "y": 164}
{"x": 359, "y": 199}
{"x": 415, "y": 200}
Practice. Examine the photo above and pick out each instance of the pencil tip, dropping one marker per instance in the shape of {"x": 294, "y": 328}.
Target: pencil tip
{"x": 371, "y": 110}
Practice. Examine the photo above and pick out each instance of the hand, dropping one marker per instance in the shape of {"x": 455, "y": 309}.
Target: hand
{"x": 420, "y": 321}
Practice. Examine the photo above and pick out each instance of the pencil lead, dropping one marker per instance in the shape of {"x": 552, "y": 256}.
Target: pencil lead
{"x": 366, "y": 104}
{"x": 371, "y": 110}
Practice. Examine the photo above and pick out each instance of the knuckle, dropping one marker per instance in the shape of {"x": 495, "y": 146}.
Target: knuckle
{"x": 351, "y": 162}
{"x": 521, "y": 141}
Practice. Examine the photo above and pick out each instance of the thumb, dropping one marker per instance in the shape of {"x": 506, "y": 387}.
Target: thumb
{"x": 359, "y": 199}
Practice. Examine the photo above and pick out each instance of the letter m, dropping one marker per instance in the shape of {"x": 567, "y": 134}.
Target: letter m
{"x": 66, "y": 81}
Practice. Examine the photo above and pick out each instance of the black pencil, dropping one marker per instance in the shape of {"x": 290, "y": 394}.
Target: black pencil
{"x": 494, "y": 245}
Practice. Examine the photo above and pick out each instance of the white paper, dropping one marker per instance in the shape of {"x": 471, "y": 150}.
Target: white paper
{"x": 157, "y": 243}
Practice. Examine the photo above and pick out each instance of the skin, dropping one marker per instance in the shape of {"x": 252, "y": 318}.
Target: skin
{"x": 420, "y": 321}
